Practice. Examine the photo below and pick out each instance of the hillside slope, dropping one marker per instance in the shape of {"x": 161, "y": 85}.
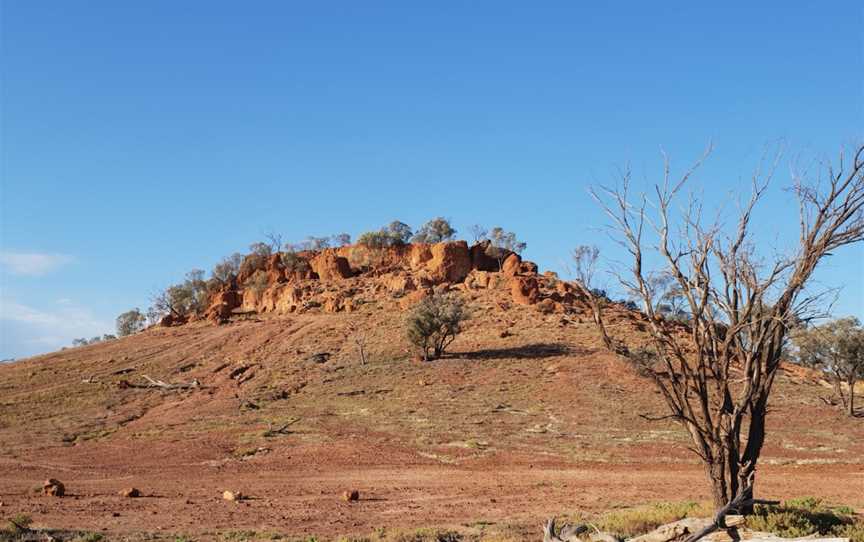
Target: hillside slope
{"x": 527, "y": 417}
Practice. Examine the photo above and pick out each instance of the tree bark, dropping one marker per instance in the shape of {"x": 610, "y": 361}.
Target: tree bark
{"x": 719, "y": 484}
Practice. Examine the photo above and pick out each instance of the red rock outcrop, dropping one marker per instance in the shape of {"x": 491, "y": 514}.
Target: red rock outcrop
{"x": 329, "y": 280}
{"x": 511, "y": 265}
{"x": 328, "y": 265}
{"x": 525, "y": 290}
{"x": 223, "y": 303}
{"x": 450, "y": 262}
{"x": 480, "y": 259}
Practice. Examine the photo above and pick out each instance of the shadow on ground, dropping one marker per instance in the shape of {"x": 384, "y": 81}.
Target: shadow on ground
{"x": 528, "y": 351}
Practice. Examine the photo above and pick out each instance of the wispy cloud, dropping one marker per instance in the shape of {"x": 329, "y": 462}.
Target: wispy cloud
{"x": 34, "y": 264}
{"x": 27, "y": 330}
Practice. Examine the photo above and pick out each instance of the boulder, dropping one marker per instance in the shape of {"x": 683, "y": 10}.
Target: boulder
{"x": 525, "y": 290}
{"x": 170, "y": 320}
{"x": 330, "y": 266}
{"x": 352, "y": 495}
{"x": 450, "y": 262}
{"x": 232, "y": 496}
{"x": 130, "y": 493}
{"x": 528, "y": 268}
{"x": 478, "y": 279}
{"x": 53, "y": 487}
{"x": 414, "y": 297}
{"x": 546, "y": 306}
{"x": 512, "y": 265}
{"x": 480, "y": 259}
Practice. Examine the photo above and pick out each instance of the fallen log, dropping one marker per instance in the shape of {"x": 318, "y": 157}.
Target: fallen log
{"x": 152, "y": 383}
{"x": 167, "y": 386}
{"x": 677, "y": 531}
{"x": 743, "y": 501}
{"x": 567, "y": 533}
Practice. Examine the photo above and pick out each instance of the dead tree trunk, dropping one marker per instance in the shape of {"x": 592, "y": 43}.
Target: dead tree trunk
{"x": 739, "y": 307}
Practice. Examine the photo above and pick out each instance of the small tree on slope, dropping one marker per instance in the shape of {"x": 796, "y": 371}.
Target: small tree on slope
{"x": 434, "y": 323}
{"x": 130, "y": 322}
{"x": 838, "y": 349}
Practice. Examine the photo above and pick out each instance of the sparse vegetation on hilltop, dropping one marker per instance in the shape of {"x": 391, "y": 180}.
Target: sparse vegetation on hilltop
{"x": 436, "y": 230}
{"x": 130, "y": 322}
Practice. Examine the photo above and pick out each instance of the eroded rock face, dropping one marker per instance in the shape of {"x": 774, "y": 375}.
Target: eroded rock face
{"x": 525, "y": 290}
{"x": 511, "y": 265}
{"x": 330, "y": 280}
{"x": 223, "y": 303}
{"x": 450, "y": 262}
{"x": 328, "y": 265}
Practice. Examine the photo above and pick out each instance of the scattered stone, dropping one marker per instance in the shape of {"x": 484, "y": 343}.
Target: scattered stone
{"x": 130, "y": 493}
{"x": 351, "y": 496}
{"x": 319, "y": 357}
{"x": 53, "y": 487}
{"x": 546, "y": 306}
{"x": 232, "y": 496}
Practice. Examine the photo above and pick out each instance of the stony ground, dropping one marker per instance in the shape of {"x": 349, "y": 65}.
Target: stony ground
{"x": 526, "y": 419}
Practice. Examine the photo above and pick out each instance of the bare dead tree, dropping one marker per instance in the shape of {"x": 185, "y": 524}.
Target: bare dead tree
{"x": 274, "y": 241}
{"x": 479, "y": 233}
{"x": 716, "y": 377}
{"x": 358, "y": 337}
{"x": 585, "y": 258}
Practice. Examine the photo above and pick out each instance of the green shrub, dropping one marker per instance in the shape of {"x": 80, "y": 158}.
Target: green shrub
{"x": 805, "y": 516}
{"x": 435, "y": 231}
{"x": 643, "y": 519}
{"x": 19, "y": 523}
{"x": 375, "y": 239}
{"x": 130, "y": 322}
{"x": 228, "y": 267}
{"x": 434, "y": 323}
{"x": 392, "y": 235}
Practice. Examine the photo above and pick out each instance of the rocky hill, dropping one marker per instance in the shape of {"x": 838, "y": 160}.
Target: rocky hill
{"x": 265, "y": 394}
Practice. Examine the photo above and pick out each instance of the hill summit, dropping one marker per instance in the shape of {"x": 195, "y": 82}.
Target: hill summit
{"x": 342, "y": 279}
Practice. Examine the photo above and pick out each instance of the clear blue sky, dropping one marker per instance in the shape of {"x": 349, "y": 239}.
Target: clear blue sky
{"x": 143, "y": 139}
